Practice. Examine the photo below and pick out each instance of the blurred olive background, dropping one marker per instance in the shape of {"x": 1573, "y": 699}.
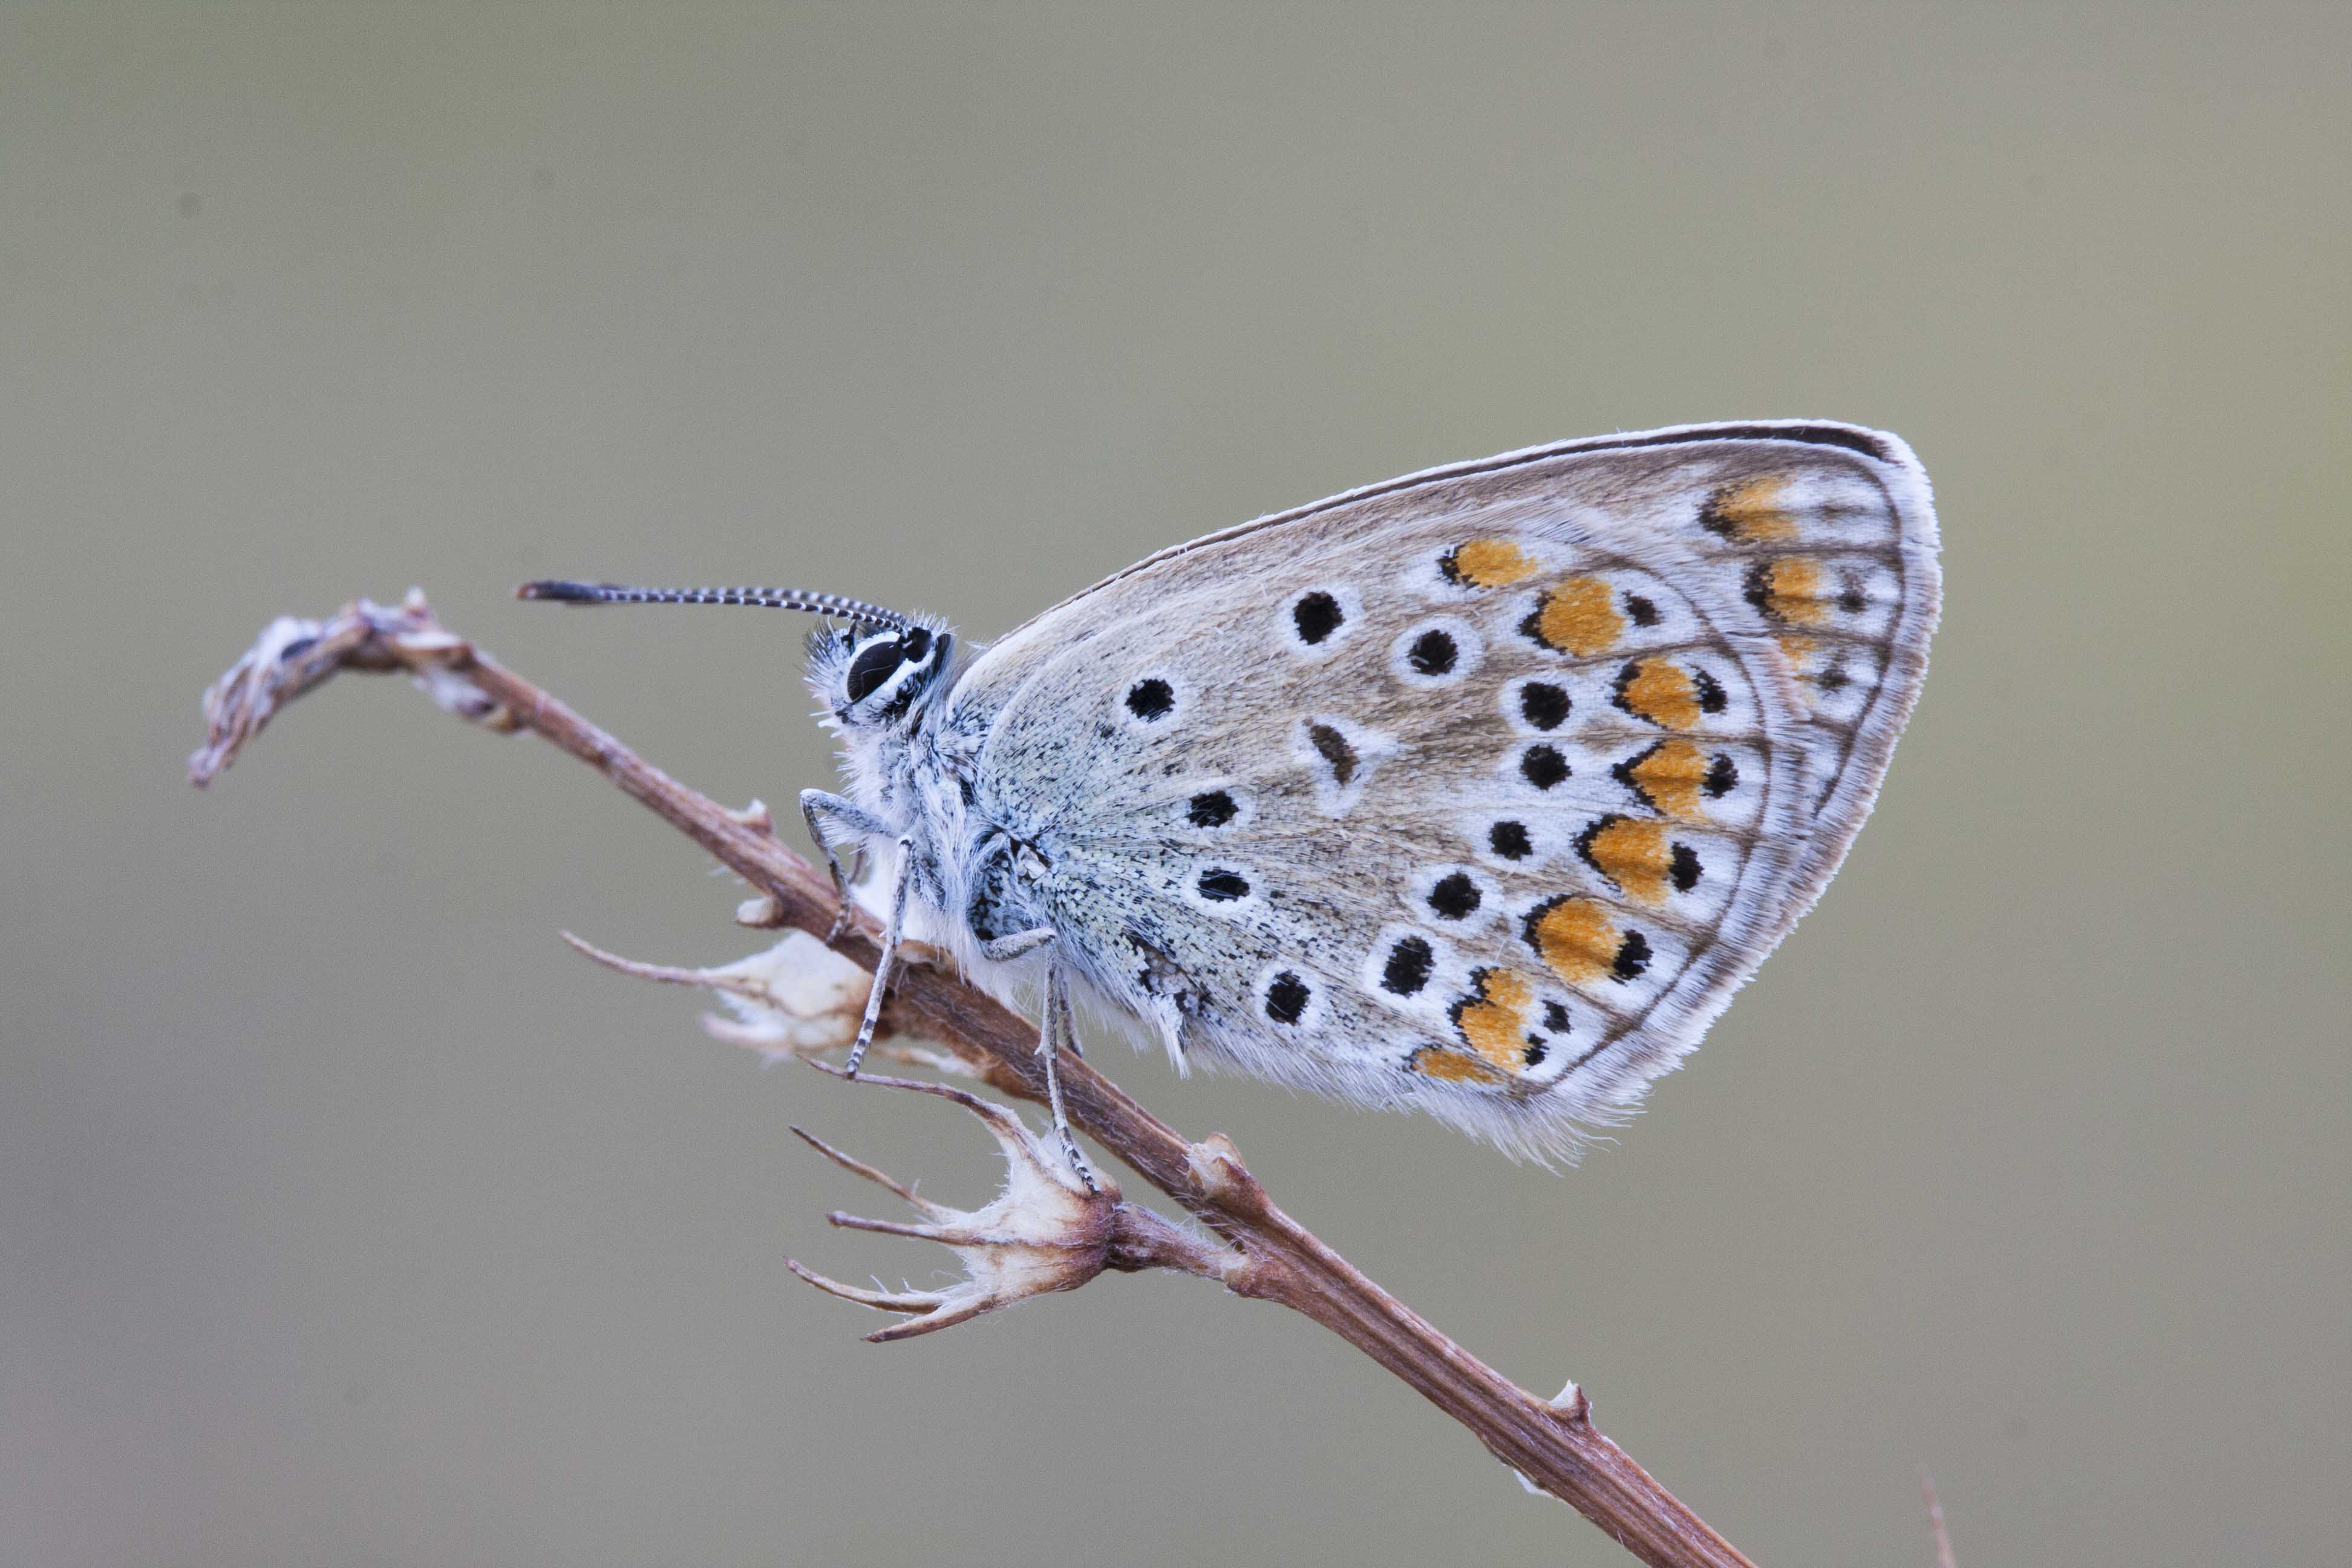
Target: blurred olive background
{"x": 348, "y": 1218}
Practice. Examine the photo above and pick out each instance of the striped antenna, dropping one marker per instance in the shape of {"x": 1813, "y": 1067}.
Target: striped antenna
{"x": 563, "y": 592}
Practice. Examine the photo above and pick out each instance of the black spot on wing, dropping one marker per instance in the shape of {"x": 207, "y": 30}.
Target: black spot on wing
{"x": 1408, "y": 966}
{"x": 1454, "y": 898}
{"x": 1287, "y": 998}
{"x": 1433, "y": 652}
{"x": 1219, "y": 885}
{"x": 1211, "y": 809}
{"x": 1317, "y": 616}
{"x": 1151, "y": 699}
{"x": 1543, "y": 705}
{"x": 1543, "y": 766}
{"x": 1334, "y": 749}
{"x": 1632, "y": 956}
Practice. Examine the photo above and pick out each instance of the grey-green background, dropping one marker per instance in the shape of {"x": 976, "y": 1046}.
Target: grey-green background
{"x": 345, "y": 1216}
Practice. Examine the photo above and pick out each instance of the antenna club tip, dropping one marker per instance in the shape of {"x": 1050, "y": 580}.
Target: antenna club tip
{"x": 560, "y": 591}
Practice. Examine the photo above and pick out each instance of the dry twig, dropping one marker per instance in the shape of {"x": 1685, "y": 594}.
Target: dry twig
{"x": 1259, "y": 1251}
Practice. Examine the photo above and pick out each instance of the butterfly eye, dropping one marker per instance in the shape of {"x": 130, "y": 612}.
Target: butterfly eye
{"x": 873, "y": 665}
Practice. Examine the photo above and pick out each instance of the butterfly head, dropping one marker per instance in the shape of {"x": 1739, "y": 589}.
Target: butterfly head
{"x": 879, "y": 677}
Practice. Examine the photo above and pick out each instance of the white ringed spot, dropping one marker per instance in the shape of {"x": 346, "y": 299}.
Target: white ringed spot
{"x": 1440, "y": 651}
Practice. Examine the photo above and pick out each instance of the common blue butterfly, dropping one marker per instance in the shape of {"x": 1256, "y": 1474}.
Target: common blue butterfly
{"x": 1477, "y": 791}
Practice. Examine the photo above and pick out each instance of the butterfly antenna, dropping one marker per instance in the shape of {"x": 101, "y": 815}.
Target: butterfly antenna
{"x": 564, "y": 593}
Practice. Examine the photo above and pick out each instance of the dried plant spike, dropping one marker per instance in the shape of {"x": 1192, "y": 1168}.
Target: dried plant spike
{"x": 1027, "y": 1152}
{"x": 857, "y": 1167}
{"x": 667, "y": 974}
{"x": 1047, "y": 1230}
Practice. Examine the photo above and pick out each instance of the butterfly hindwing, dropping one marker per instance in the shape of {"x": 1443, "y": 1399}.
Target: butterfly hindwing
{"x": 1480, "y": 791}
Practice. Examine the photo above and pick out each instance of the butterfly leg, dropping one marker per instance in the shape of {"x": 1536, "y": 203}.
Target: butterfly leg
{"x": 1054, "y": 1029}
{"x": 1005, "y": 949}
{"x": 1060, "y": 993}
{"x": 890, "y": 959}
{"x": 1059, "y": 1024}
{"x": 816, "y": 806}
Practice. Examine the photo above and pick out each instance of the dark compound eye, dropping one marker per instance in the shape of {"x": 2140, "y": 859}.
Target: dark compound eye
{"x": 1287, "y": 998}
{"x": 1432, "y": 653}
{"x": 1151, "y": 699}
{"x": 872, "y": 667}
{"x": 1212, "y": 809}
{"x": 1408, "y": 966}
{"x": 1456, "y": 898}
{"x": 1543, "y": 705}
{"x": 1222, "y": 887}
{"x": 1509, "y": 841}
{"x": 1316, "y": 616}
{"x": 1543, "y": 766}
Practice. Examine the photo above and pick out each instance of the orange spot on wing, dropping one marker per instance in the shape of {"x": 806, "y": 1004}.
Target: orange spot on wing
{"x": 1488, "y": 563}
{"x": 1752, "y": 510}
{"x": 1669, "y": 775}
{"x": 1789, "y": 590}
{"x": 1580, "y": 617}
{"x": 1631, "y": 852}
{"x": 1660, "y": 690}
{"x": 1494, "y": 1022}
{"x": 1451, "y": 1067}
{"x": 1803, "y": 653}
{"x": 1576, "y": 938}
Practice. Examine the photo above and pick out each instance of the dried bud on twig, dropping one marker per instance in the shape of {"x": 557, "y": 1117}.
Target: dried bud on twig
{"x": 798, "y": 998}
{"x": 293, "y": 655}
{"x": 1047, "y": 1231}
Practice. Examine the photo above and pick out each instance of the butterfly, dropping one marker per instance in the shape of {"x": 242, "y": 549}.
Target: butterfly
{"x": 1478, "y": 792}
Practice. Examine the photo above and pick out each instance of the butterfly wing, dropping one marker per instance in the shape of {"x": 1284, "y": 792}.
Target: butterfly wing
{"x": 1479, "y": 791}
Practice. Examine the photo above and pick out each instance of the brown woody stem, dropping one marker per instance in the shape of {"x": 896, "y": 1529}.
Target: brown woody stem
{"x": 1554, "y": 1444}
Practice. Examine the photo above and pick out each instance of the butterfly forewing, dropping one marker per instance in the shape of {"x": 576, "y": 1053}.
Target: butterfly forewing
{"x": 1480, "y": 791}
